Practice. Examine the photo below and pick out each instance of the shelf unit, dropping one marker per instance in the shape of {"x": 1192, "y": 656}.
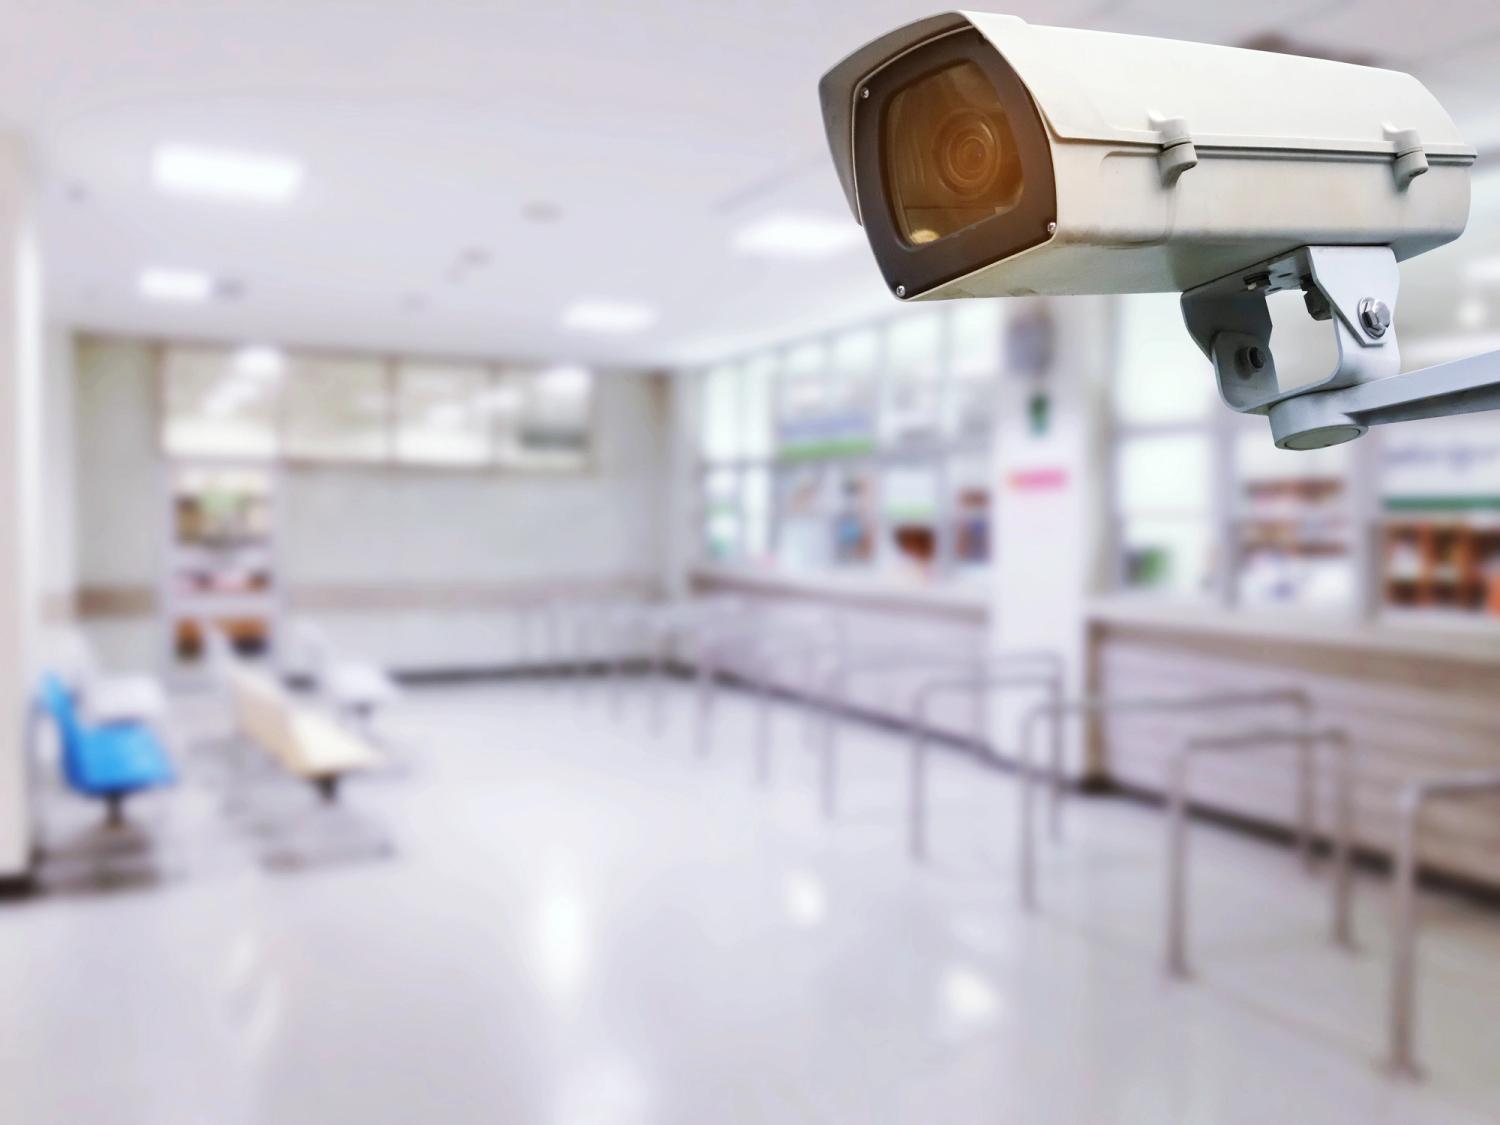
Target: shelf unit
{"x": 1438, "y": 562}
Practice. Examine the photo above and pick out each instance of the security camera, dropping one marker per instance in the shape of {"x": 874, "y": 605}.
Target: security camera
{"x": 985, "y": 157}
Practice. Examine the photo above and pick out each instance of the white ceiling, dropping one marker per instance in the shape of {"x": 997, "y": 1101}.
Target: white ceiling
{"x": 655, "y": 129}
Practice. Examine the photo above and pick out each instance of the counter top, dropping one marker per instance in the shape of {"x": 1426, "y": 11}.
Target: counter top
{"x": 952, "y": 600}
{"x": 1473, "y": 642}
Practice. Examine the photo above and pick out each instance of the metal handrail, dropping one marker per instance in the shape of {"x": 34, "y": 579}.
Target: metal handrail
{"x": 1409, "y": 805}
{"x": 1057, "y": 712}
{"x": 755, "y": 638}
{"x": 982, "y": 687}
{"x": 838, "y": 683}
{"x": 1305, "y": 740}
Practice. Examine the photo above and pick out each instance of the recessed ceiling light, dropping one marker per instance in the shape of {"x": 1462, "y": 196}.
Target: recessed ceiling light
{"x": 1472, "y": 312}
{"x": 260, "y": 362}
{"x": 1483, "y": 271}
{"x": 160, "y": 284}
{"x": 566, "y": 380}
{"x": 445, "y": 416}
{"x": 608, "y": 316}
{"x": 226, "y": 173}
{"x": 797, "y": 235}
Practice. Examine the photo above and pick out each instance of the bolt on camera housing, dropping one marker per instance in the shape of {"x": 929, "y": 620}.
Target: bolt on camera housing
{"x": 988, "y": 157}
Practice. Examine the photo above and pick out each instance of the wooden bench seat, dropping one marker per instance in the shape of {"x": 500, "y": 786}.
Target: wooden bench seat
{"x": 304, "y": 742}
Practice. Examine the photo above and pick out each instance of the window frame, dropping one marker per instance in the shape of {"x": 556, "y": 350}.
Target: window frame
{"x": 389, "y": 460}
{"x": 938, "y": 452}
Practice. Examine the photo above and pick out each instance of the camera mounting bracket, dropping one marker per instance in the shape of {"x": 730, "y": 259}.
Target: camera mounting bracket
{"x": 1354, "y": 288}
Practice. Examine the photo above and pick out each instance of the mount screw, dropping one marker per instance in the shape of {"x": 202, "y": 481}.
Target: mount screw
{"x": 865, "y": 93}
{"x": 900, "y": 290}
{"x": 1374, "y": 316}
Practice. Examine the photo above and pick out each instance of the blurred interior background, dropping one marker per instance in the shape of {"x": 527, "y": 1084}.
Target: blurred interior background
{"x": 496, "y": 408}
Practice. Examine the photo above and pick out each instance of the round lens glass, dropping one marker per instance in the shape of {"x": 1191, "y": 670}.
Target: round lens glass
{"x": 950, "y": 157}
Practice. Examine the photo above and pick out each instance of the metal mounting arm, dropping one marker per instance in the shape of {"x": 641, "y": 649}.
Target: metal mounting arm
{"x": 1354, "y": 288}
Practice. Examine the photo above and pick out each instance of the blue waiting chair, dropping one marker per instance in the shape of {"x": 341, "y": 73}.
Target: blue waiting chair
{"x": 108, "y": 762}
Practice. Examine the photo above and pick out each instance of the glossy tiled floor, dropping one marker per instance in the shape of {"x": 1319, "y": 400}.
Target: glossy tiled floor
{"x": 581, "y": 923}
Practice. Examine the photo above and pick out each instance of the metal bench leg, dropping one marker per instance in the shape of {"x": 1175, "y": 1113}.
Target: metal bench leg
{"x": 1027, "y": 778}
{"x": 830, "y": 771}
{"x": 1403, "y": 1060}
{"x": 1343, "y": 843}
{"x": 917, "y": 792}
{"x": 1177, "y": 844}
{"x": 763, "y": 728}
{"x": 1306, "y": 798}
{"x": 1055, "y": 750}
{"x": 708, "y": 674}
{"x": 657, "y": 672}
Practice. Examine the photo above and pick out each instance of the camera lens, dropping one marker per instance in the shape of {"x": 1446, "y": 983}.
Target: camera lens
{"x": 949, "y": 156}
{"x": 968, "y": 153}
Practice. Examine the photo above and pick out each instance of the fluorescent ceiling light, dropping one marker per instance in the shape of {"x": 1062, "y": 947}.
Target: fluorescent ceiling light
{"x": 1483, "y": 271}
{"x": 565, "y": 381}
{"x": 159, "y": 284}
{"x": 797, "y": 235}
{"x": 226, "y": 174}
{"x": 260, "y": 362}
{"x": 1472, "y": 313}
{"x": 608, "y": 316}
{"x": 228, "y": 398}
{"x": 445, "y": 416}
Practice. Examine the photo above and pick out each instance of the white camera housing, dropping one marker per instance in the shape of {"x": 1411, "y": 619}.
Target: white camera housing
{"x": 1171, "y": 164}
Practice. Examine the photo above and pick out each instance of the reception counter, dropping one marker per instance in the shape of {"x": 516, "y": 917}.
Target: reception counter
{"x": 877, "y": 616}
{"x": 1415, "y": 699}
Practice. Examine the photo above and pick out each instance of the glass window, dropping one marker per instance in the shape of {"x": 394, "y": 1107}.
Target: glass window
{"x": 757, "y": 513}
{"x": 803, "y": 403}
{"x": 219, "y": 402}
{"x": 855, "y": 516}
{"x": 914, "y": 346}
{"x": 921, "y": 386}
{"x": 975, "y": 350}
{"x": 805, "y": 496}
{"x": 1162, "y": 376}
{"x": 1165, "y": 497}
{"x": 440, "y": 413}
{"x": 826, "y": 515}
{"x": 910, "y": 498}
{"x": 722, "y": 515}
{"x": 1167, "y": 555}
{"x": 721, "y": 415}
{"x": 1293, "y": 534}
{"x": 854, "y": 391}
{"x": 969, "y": 476}
{"x": 755, "y": 414}
{"x": 540, "y": 418}
{"x": 336, "y": 408}
{"x": 1165, "y": 473}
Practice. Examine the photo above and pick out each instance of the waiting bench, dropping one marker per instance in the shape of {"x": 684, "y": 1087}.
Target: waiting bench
{"x": 307, "y": 744}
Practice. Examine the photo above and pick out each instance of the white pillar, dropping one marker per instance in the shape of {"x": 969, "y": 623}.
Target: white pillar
{"x": 1051, "y": 460}
{"x": 20, "y": 383}
{"x": 682, "y": 484}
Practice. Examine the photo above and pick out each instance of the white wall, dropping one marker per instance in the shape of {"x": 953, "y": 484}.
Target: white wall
{"x": 58, "y": 574}
{"x": 412, "y": 536}
{"x": 377, "y": 553}
{"x": 118, "y": 508}
{"x": 20, "y": 412}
